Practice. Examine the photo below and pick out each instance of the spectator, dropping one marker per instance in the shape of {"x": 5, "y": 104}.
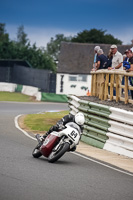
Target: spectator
{"x": 117, "y": 61}
{"x": 126, "y": 57}
{"x": 110, "y": 57}
{"x": 117, "y": 58}
{"x": 129, "y": 61}
{"x": 95, "y": 57}
{"x": 109, "y": 63}
{"x": 101, "y": 60}
{"x": 130, "y": 57}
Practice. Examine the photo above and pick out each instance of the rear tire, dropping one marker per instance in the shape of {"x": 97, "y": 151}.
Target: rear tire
{"x": 36, "y": 153}
{"x": 54, "y": 156}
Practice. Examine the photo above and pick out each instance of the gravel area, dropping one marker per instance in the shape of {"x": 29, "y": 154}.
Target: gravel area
{"x": 121, "y": 104}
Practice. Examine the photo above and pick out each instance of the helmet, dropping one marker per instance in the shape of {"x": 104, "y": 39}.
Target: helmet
{"x": 79, "y": 118}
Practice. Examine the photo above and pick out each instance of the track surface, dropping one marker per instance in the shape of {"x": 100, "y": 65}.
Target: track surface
{"x": 23, "y": 177}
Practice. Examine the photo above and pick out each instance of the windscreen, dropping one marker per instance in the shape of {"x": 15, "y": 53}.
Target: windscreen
{"x": 73, "y": 125}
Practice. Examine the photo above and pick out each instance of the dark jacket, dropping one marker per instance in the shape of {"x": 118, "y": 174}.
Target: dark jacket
{"x": 64, "y": 120}
{"x": 68, "y": 118}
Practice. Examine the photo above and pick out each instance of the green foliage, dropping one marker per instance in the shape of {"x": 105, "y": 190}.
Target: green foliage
{"x": 53, "y": 47}
{"x": 21, "y": 49}
{"x": 22, "y": 36}
{"x": 95, "y": 36}
{"x": 4, "y": 37}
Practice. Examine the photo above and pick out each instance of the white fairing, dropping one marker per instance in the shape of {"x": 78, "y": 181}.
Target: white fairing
{"x": 72, "y": 131}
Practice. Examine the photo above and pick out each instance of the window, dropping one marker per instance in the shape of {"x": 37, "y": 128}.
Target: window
{"x": 81, "y": 78}
{"x": 72, "y": 78}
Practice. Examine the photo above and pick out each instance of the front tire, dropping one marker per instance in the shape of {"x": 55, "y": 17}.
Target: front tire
{"x": 54, "y": 156}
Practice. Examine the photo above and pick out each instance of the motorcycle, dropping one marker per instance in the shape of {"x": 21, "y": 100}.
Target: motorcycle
{"x": 56, "y": 144}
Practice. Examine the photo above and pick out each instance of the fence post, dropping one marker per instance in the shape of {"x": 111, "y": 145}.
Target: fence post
{"x": 106, "y": 87}
{"x": 95, "y": 85}
{"x": 92, "y": 86}
{"x": 98, "y": 85}
{"x": 117, "y": 88}
{"x": 126, "y": 89}
{"x": 111, "y": 86}
{"x": 101, "y": 89}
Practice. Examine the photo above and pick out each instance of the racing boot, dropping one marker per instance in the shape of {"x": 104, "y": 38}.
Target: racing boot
{"x": 40, "y": 139}
{"x": 73, "y": 149}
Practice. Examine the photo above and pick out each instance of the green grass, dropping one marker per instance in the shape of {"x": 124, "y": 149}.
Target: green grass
{"x": 34, "y": 122}
{"x": 42, "y": 122}
{"x": 13, "y": 96}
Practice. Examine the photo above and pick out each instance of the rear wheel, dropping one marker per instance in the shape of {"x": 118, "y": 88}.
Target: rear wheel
{"x": 55, "y": 155}
{"x": 36, "y": 153}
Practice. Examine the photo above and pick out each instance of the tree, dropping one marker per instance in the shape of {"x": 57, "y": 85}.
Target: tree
{"x": 4, "y": 37}
{"x": 22, "y": 36}
{"x": 39, "y": 58}
{"x": 4, "y": 42}
{"x": 95, "y": 36}
{"x": 53, "y": 47}
{"x": 21, "y": 49}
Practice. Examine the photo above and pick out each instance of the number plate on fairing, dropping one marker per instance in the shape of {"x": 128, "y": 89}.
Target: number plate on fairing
{"x": 74, "y": 136}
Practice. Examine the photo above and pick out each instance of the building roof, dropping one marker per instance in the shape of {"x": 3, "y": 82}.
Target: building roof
{"x": 77, "y": 58}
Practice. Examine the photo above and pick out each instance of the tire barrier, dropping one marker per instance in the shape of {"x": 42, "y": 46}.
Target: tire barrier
{"x": 33, "y": 91}
{"x": 7, "y": 87}
{"x": 105, "y": 127}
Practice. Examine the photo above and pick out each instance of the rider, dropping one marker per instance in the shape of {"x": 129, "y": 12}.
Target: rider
{"x": 78, "y": 119}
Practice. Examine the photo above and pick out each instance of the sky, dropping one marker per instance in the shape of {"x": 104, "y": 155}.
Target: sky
{"x": 43, "y": 19}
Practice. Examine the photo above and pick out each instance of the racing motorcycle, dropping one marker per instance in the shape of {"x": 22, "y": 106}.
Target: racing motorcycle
{"x": 56, "y": 144}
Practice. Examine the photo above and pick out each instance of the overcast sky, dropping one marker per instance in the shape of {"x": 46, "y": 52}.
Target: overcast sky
{"x": 43, "y": 19}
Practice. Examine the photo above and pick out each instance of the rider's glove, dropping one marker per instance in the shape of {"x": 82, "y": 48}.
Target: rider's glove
{"x": 60, "y": 126}
{"x": 41, "y": 138}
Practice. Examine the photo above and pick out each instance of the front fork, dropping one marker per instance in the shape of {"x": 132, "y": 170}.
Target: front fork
{"x": 63, "y": 140}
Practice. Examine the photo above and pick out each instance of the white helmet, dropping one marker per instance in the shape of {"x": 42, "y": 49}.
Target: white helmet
{"x": 79, "y": 118}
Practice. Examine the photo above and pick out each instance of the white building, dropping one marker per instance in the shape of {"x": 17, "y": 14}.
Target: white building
{"x": 77, "y": 84}
{"x": 73, "y": 74}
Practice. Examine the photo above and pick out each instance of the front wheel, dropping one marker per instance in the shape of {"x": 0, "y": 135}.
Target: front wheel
{"x": 55, "y": 155}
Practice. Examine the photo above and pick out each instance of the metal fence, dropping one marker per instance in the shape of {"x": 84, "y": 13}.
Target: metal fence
{"x": 43, "y": 79}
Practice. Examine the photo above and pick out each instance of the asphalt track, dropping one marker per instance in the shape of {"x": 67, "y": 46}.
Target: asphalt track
{"x": 23, "y": 177}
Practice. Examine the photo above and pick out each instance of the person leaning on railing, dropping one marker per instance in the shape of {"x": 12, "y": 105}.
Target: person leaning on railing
{"x": 129, "y": 67}
{"x": 117, "y": 59}
{"x": 96, "y": 48}
{"x": 110, "y": 57}
{"x": 101, "y": 60}
{"x": 117, "y": 63}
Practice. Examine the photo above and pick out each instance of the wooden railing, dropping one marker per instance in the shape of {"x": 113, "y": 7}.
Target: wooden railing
{"x": 104, "y": 82}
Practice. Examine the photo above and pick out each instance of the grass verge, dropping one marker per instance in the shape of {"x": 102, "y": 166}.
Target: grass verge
{"x": 13, "y": 96}
{"x": 40, "y": 123}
